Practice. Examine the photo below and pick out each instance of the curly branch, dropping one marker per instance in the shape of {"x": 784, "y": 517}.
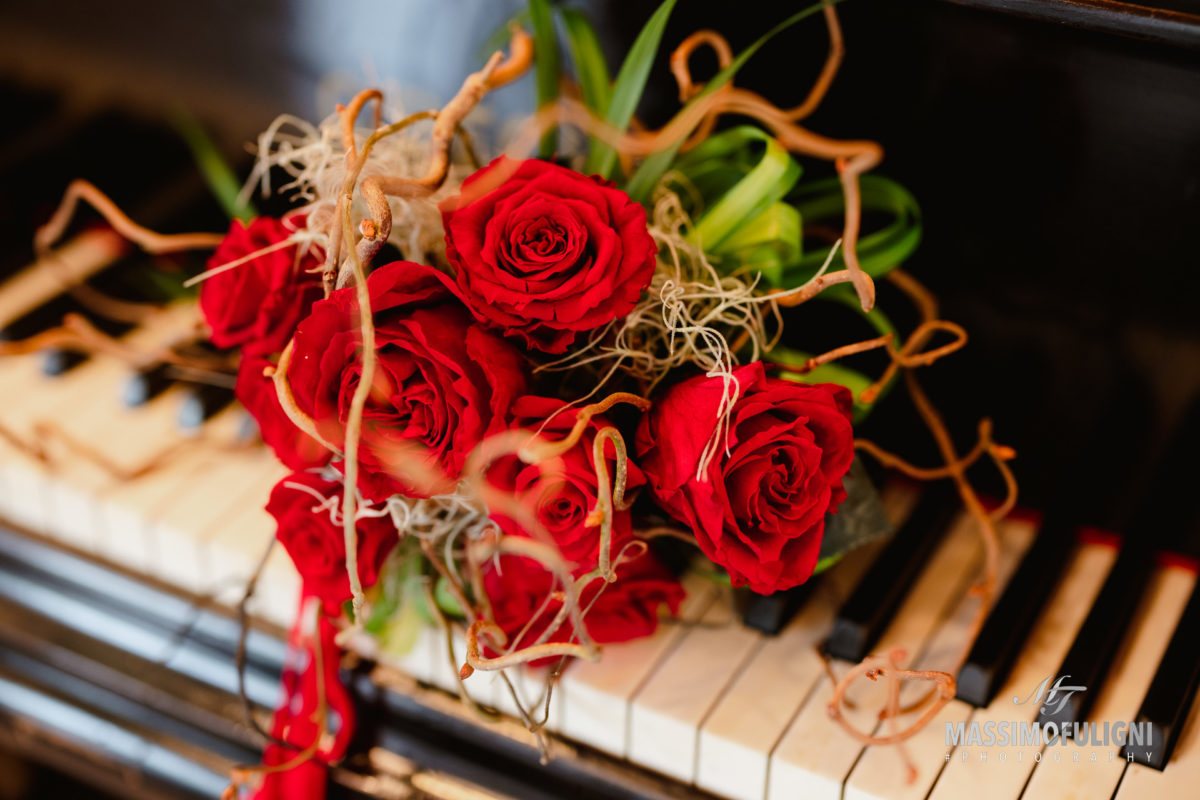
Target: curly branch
{"x": 145, "y": 238}
{"x": 524, "y": 655}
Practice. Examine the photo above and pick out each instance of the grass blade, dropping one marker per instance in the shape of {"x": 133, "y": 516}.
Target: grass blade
{"x": 545, "y": 49}
{"x": 631, "y": 82}
{"x": 212, "y": 165}
{"x": 653, "y": 167}
{"x": 590, "y": 66}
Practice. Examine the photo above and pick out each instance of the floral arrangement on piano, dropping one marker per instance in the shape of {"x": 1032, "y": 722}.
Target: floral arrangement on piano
{"x": 506, "y": 388}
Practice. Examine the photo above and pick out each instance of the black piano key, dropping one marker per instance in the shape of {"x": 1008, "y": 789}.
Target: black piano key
{"x": 769, "y": 613}
{"x": 1013, "y": 617}
{"x": 867, "y": 612}
{"x": 59, "y": 360}
{"x": 1167, "y": 512}
{"x": 146, "y": 384}
{"x": 1095, "y": 647}
{"x": 1172, "y": 691}
{"x": 203, "y": 402}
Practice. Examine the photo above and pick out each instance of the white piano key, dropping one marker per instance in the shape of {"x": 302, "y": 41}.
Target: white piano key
{"x": 1179, "y": 779}
{"x": 127, "y": 509}
{"x": 493, "y": 687}
{"x": 443, "y": 671}
{"x": 489, "y": 687}
{"x": 597, "y": 696}
{"x": 227, "y": 482}
{"x": 881, "y": 772}
{"x": 81, "y": 257}
{"x": 80, "y": 420}
{"x": 1067, "y": 770}
{"x": 668, "y": 711}
{"x": 26, "y": 491}
{"x": 531, "y": 684}
{"x": 137, "y": 442}
{"x": 736, "y": 741}
{"x": 22, "y": 493}
{"x": 815, "y": 755}
{"x": 737, "y": 738}
{"x": 238, "y": 541}
{"x": 1041, "y": 656}
{"x": 25, "y": 476}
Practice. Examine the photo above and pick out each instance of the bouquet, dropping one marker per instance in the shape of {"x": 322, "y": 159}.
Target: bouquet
{"x": 506, "y": 387}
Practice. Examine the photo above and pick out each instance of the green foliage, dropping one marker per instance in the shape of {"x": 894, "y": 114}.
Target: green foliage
{"x": 878, "y": 251}
{"x": 630, "y": 83}
{"x": 217, "y": 173}
{"x": 546, "y": 69}
{"x": 654, "y": 167}
{"x": 397, "y": 613}
{"x": 746, "y": 221}
{"x": 590, "y": 67}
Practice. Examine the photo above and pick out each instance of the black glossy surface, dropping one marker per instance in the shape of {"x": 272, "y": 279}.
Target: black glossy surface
{"x": 146, "y": 384}
{"x": 1095, "y": 647}
{"x": 867, "y": 612}
{"x": 1166, "y": 517}
{"x": 770, "y": 613}
{"x": 1169, "y": 698}
{"x": 1012, "y": 618}
{"x": 202, "y": 403}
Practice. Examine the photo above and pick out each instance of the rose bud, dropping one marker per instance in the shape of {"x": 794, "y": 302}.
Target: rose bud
{"x": 758, "y": 507}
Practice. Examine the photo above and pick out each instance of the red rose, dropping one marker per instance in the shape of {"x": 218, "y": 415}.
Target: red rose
{"x": 543, "y": 252}
{"x": 300, "y": 504}
{"x": 442, "y": 382}
{"x": 563, "y": 492}
{"x": 759, "y": 508}
{"x": 296, "y": 449}
{"x": 627, "y": 609}
{"x": 256, "y": 305}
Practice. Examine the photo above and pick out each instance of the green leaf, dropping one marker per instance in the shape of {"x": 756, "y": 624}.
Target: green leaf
{"x": 446, "y": 600}
{"x": 766, "y": 243}
{"x": 631, "y": 82}
{"x": 653, "y": 167}
{"x": 399, "y": 634}
{"x": 545, "y": 50}
{"x": 772, "y": 178}
{"x": 217, "y": 173}
{"x": 826, "y": 562}
{"x": 878, "y": 251}
{"x": 590, "y": 67}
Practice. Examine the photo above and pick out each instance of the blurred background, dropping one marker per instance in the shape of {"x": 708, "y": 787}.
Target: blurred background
{"x": 1054, "y": 148}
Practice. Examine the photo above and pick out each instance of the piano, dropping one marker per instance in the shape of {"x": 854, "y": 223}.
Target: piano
{"x": 131, "y": 497}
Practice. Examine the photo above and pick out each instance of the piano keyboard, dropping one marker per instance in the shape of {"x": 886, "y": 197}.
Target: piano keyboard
{"x": 169, "y": 488}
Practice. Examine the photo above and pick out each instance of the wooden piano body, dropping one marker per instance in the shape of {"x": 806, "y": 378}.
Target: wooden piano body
{"x": 1057, "y": 171}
